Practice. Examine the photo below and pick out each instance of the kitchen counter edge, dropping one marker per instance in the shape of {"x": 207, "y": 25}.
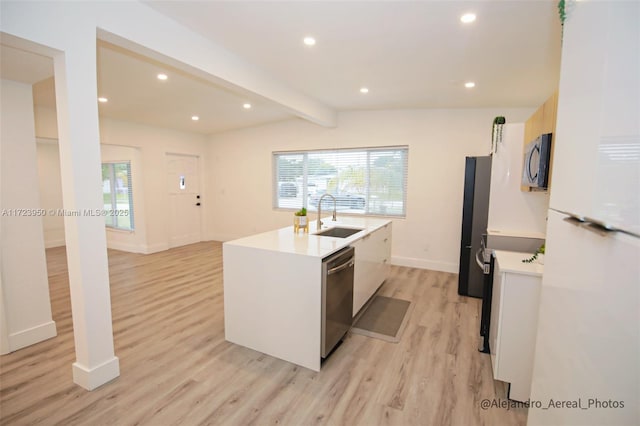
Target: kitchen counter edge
{"x": 285, "y": 240}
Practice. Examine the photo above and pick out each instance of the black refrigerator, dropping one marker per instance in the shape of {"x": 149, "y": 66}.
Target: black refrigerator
{"x": 475, "y": 213}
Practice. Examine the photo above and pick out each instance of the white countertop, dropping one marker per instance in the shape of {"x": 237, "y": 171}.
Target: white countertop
{"x": 511, "y": 261}
{"x": 285, "y": 240}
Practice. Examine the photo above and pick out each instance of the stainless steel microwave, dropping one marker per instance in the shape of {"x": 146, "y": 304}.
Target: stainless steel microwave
{"x": 535, "y": 170}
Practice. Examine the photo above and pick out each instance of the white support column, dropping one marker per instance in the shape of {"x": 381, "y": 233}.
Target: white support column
{"x": 79, "y": 141}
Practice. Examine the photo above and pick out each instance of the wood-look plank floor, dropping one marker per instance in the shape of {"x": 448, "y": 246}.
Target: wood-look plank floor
{"x": 176, "y": 367}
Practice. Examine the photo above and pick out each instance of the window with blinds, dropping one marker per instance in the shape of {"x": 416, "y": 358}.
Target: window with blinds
{"x": 117, "y": 195}
{"x": 368, "y": 181}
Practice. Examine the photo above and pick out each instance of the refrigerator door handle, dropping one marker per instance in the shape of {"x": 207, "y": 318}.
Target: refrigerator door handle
{"x": 479, "y": 261}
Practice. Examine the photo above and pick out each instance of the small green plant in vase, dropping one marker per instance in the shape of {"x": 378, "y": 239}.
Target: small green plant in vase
{"x": 300, "y": 220}
{"x": 535, "y": 255}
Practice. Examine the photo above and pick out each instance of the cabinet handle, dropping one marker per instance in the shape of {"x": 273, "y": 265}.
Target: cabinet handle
{"x": 386, "y": 239}
{"x": 384, "y": 261}
{"x": 585, "y": 223}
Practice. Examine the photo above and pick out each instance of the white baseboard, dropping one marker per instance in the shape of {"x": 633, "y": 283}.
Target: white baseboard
{"x": 58, "y": 242}
{"x": 215, "y": 238}
{"x": 425, "y": 264}
{"x": 32, "y": 335}
{"x": 124, "y": 246}
{"x": 53, "y": 237}
{"x": 155, "y": 248}
{"x": 119, "y": 245}
{"x": 91, "y": 378}
{"x": 223, "y": 237}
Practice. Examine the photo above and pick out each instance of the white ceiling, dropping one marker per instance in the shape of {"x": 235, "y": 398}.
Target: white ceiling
{"x": 130, "y": 83}
{"x": 409, "y": 54}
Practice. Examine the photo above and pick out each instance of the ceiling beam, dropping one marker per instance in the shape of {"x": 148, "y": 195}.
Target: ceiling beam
{"x": 138, "y": 27}
{"x": 143, "y": 30}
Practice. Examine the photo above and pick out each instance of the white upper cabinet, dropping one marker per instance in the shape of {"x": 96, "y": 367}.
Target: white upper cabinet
{"x": 596, "y": 171}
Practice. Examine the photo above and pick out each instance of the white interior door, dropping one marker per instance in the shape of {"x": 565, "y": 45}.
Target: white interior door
{"x": 183, "y": 182}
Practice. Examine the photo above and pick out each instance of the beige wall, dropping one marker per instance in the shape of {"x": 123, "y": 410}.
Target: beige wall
{"x": 240, "y": 168}
{"x": 146, "y": 148}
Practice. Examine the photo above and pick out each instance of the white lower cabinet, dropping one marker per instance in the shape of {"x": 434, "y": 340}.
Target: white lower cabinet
{"x": 372, "y": 265}
{"x": 514, "y": 321}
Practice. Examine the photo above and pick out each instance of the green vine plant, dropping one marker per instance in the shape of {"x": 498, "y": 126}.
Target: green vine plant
{"x": 301, "y": 212}
{"x": 496, "y": 132}
{"x": 562, "y": 12}
{"x": 564, "y": 9}
{"x": 535, "y": 255}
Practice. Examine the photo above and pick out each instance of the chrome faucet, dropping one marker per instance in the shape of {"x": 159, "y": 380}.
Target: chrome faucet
{"x": 319, "y": 223}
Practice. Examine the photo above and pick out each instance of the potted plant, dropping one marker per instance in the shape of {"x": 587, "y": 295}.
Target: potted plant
{"x": 300, "y": 220}
{"x": 496, "y": 133}
{"x": 538, "y": 255}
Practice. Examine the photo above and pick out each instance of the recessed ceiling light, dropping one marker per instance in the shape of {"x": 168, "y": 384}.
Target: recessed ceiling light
{"x": 195, "y": 118}
{"x": 309, "y": 41}
{"x": 364, "y": 90}
{"x": 162, "y": 77}
{"x": 468, "y": 18}
{"x": 102, "y": 99}
{"x": 246, "y": 106}
{"x": 469, "y": 84}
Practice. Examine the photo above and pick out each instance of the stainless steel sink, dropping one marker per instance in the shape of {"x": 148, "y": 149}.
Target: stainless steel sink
{"x": 338, "y": 232}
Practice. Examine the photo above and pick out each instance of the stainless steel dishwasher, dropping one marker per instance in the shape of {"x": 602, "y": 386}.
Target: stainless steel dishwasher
{"x": 337, "y": 297}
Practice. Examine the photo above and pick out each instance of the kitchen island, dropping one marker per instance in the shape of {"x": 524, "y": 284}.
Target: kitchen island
{"x": 273, "y": 285}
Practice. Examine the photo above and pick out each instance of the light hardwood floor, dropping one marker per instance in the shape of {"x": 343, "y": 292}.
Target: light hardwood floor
{"x": 176, "y": 367}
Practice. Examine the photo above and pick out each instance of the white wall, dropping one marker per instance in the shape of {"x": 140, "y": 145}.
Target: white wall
{"x": 512, "y": 211}
{"x": 146, "y": 148}
{"x": 26, "y": 310}
{"x": 240, "y": 175}
{"x": 153, "y": 144}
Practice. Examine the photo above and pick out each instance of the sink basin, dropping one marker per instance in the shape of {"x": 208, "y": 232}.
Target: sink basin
{"x": 338, "y": 232}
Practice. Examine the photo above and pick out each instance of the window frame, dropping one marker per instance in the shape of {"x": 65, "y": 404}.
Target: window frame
{"x": 403, "y": 149}
{"x": 113, "y": 193}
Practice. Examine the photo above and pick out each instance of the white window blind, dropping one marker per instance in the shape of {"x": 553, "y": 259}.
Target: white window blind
{"x": 368, "y": 181}
{"x": 117, "y": 195}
